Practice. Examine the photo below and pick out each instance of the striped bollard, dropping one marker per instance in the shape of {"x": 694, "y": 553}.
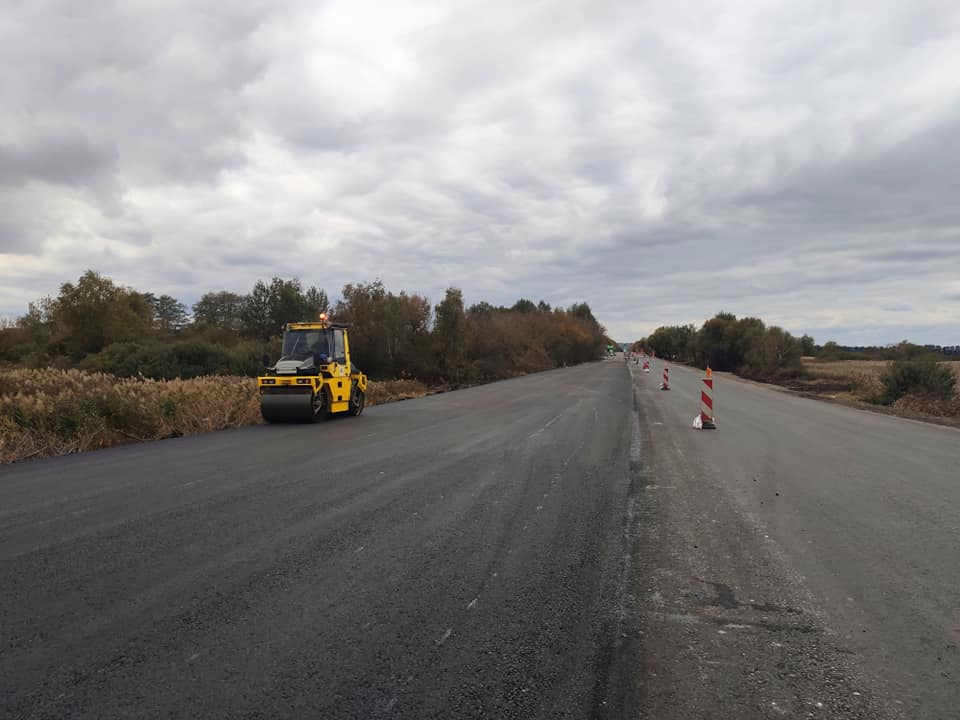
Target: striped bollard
{"x": 665, "y": 385}
{"x": 706, "y": 402}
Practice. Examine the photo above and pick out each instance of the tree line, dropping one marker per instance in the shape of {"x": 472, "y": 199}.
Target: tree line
{"x": 904, "y": 350}
{"x": 751, "y": 348}
{"x": 97, "y": 324}
{"x": 724, "y": 342}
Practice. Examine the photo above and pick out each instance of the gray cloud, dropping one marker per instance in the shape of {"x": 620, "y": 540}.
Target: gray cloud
{"x": 62, "y": 157}
{"x": 13, "y": 239}
{"x": 916, "y": 255}
{"x": 797, "y": 161}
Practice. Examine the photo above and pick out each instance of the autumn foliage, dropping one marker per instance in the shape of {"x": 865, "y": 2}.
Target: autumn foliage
{"x": 96, "y": 325}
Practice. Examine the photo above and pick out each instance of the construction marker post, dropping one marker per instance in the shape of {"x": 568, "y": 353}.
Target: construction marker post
{"x": 665, "y": 385}
{"x": 706, "y": 402}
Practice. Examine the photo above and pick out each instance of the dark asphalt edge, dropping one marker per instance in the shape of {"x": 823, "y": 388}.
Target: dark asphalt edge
{"x": 614, "y": 692}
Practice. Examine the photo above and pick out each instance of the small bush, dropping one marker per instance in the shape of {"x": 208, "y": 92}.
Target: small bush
{"x": 909, "y": 377}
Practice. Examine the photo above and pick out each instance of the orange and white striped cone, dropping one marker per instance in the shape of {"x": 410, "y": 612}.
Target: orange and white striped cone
{"x": 707, "y": 418}
{"x": 665, "y": 385}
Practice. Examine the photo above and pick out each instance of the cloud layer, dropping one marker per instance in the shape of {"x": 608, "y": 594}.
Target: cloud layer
{"x": 661, "y": 161}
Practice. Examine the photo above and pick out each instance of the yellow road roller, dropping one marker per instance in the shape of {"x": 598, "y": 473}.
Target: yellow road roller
{"x": 314, "y": 377}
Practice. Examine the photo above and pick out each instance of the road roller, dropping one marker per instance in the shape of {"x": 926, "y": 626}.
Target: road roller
{"x": 314, "y": 377}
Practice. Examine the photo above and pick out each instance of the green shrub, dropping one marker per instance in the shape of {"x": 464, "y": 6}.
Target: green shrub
{"x": 773, "y": 355}
{"x": 919, "y": 377}
{"x": 120, "y": 359}
{"x": 184, "y": 359}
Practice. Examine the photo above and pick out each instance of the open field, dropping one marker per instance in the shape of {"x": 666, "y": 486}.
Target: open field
{"x": 861, "y": 377}
{"x": 58, "y": 412}
{"x": 857, "y": 379}
{"x": 860, "y": 380}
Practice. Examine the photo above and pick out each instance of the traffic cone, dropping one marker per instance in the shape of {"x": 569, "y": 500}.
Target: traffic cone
{"x": 707, "y": 418}
{"x": 665, "y": 385}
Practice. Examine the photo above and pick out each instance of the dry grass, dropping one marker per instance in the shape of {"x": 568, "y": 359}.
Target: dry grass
{"x": 915, "y": 404}
{"x": 856, "y": 378}
{"x": 861, "y": 380}
{"x": 57, "y": 412}
{"x": 385, "y": 391}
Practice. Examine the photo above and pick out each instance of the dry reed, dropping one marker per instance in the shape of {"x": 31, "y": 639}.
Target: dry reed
{"x": 58, "y": 412}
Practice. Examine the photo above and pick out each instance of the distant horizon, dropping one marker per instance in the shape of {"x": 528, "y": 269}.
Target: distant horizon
{"x": 842, "y": 346}
{"x": 824, "y": 335}
{"x": 821, "y": 336}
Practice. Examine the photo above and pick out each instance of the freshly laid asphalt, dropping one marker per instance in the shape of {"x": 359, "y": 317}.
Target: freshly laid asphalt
{"x": 558, "y": 545}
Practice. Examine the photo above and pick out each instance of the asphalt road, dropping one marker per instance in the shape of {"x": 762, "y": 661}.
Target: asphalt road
{"x": 560, "y": 545}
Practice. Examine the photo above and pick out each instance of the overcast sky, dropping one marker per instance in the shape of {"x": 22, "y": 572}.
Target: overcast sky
{"x": 799, "y": 161}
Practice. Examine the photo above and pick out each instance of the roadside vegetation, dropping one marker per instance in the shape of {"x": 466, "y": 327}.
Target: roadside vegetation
{"x": 907, "y": 378}
{"x": 58, "y": 412}
{"x": 923, "y": 387}
{"x": 101, "y": 364}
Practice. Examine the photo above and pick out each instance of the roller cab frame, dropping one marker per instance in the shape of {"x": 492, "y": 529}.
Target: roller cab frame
{"x": 314, "y": 377}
